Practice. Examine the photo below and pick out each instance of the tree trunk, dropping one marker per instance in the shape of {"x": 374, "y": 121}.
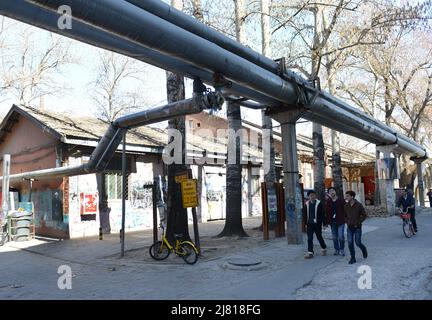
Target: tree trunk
{"x": 197, "y": 10}
{"x": 269, "y": 157}
{"x": 317, "y": 136}
{"x": 104, "y": 209}
{"x": 233, "y": 222}
{"x": 336, "y": 148}
{"x": 319, "y": 165}
{"x": 177, "y": 219}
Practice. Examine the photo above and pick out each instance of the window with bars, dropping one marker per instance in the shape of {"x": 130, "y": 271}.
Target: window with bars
{"x": 113, "y": 185}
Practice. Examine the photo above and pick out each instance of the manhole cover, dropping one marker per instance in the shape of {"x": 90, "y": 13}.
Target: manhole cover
{"x": 244, "y": 264}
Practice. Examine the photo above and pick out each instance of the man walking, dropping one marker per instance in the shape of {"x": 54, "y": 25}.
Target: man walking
{"x": 429, "y": 194}
{"x": 407, "y": 204}
{"x": 354, "y": 216}
{"x": 314, "y": 219}
{"x": 336, "y": 219}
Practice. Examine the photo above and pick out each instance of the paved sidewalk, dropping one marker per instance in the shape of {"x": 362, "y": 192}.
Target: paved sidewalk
{"x": 402, "y": 268}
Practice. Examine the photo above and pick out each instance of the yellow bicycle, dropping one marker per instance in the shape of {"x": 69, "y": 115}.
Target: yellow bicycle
{"x": 160, "y": 250}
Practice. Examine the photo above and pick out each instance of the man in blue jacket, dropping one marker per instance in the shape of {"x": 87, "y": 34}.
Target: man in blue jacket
{"x": 407, "y": 204}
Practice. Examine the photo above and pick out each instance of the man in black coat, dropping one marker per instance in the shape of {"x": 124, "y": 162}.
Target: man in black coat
{"x": 314, "y": 219}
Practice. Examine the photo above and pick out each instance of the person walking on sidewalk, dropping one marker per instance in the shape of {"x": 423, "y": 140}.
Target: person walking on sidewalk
{"x": 355, "y": 214}
{"x": 407, "y": 204}
{"x": 429, "y": 194}
{"x": 314, "y": 219}
{"x": 336, "y": 219}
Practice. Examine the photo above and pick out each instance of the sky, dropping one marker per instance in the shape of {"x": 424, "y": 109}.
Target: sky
{"x": 81, "y": 73}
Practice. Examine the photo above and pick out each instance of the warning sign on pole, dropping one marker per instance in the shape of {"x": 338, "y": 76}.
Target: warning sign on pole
{"x": 189, "y": 193}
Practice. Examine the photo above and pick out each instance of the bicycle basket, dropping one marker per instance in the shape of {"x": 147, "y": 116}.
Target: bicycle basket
{"x": 405, "y": 215}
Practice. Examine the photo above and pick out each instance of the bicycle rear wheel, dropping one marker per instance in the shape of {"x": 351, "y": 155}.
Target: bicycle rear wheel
{"x": 159, "y": 251}
{"x": 407, "y": 229}
{"x": 189, "y": 253}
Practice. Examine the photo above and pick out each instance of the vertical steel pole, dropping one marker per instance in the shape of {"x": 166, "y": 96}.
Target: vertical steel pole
{"x": 5, "y": 189}
{"x": 122, "y": 234}
{"x": 155, "y": 229}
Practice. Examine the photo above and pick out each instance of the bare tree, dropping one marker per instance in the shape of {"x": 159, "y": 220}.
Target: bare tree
{"x": 177, "y": 221}
{"x": 233, "y": 222}
{"x": 116, "y": 89}
{"x": 32, "y": 63}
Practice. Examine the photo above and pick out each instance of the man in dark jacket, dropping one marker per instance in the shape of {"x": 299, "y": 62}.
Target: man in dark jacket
{"x": 407, "y": 204}
{"x": 354, "y": 216}
{"x": 429, "y": 194}
{"x": 314, "y": 219}
{"x": 336, "y": 219}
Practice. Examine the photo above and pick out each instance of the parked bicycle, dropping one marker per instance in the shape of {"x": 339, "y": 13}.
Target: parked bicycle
{"x": 160, "y": 250}
{"x": 407, "y": 226}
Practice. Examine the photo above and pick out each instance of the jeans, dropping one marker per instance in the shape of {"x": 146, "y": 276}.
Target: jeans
{"x": 317, "y": 229}
{"x": 355, "y": 234}
{"x": 413, "y": 219}
{"x": 338, "y": 236}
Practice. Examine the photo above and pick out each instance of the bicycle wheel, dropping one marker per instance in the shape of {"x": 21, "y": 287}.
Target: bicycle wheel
{"x": 407, "y": 229}
{"x": 159, "y": 251}
{"x": 189, "y": 253}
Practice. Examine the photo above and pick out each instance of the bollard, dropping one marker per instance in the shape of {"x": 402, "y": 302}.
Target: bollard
{"x": 100, "y": 234}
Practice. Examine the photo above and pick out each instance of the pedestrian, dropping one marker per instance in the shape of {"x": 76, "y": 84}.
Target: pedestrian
{"x": 355, "y": 214}
{"x": 336, "y": 219}
{"x": 314, "y": 220}
{"x": 407, "y": 204}
{"x": 429, "y": 194}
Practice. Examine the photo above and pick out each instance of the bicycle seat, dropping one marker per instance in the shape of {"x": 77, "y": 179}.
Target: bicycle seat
{"x": 178, "y": 235}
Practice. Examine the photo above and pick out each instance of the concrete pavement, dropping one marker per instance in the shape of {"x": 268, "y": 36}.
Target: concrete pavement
{"x": 401, "y": 268}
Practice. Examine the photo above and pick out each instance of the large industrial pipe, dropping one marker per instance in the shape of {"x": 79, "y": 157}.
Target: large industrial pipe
{"x": 174, "y": 16}
{"x": 139, "y": 26}
{"x": 108, "y": 144}
{"x": 47, "y": 19}
{"x": 195, "y": 50}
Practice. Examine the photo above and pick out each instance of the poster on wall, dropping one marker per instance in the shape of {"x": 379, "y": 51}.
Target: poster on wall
{"x": 89, "y": 206}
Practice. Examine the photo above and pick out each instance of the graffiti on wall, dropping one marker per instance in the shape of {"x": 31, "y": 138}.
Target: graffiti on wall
{"x": 141, "y": 197}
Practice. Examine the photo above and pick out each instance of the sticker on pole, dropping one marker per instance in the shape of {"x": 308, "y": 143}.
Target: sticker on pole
{"x": 189, "y": 193}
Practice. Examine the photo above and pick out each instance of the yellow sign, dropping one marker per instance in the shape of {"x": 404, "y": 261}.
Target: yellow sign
{"x": 181, "y": 177}
{"x": 189, "y": 193}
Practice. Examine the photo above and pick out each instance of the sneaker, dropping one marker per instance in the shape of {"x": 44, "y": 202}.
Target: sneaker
{"x": 342, "y": 253}
{"x": 309, "y": 255}
{"x": 365, "y": 253}
{"x": 352, "y": 260}
{"x": 336, "y": 253}
{"x": 323, "y": 252}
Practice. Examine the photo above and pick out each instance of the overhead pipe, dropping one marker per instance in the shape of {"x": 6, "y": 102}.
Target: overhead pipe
{"x": 131, "y": 24}
{"x": 38, "y": 16}
{"x": 139, "y": 26}
{"x": 109, "y": 143}
{"x": 174, "y": 16}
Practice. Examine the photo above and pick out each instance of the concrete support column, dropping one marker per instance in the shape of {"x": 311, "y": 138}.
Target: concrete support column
{"x": 420, "y": 171}
{"x": 377, "y": 194}
{"x": 388, "y": 196}
{"x": 249, "y": 191}
{"x": 293, "y": 199}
